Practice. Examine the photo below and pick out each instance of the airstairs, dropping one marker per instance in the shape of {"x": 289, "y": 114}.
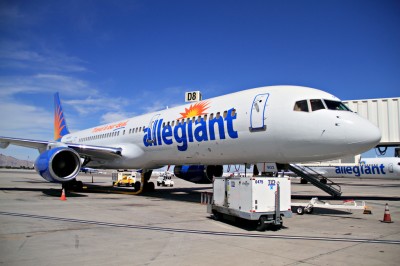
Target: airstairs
{"x": 316, "y": 179}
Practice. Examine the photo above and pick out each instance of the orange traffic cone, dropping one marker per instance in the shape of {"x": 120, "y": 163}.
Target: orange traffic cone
{"x": 63, "y": 197}
{"x": 386, "y": 216}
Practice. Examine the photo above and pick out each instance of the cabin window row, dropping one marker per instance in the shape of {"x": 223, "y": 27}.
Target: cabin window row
{"x": 100, "y": 136}
{"x": 170, "y": 123}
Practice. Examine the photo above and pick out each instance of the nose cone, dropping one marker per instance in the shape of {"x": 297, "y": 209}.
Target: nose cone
{"x": 362, "y": 136}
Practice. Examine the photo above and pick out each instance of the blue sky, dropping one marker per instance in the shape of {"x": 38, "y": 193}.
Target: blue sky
{"x": 115, "y": 59}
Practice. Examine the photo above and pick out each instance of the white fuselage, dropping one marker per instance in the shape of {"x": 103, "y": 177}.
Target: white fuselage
{"x": 255, "y": 125}
{"x": 388, "y": 167}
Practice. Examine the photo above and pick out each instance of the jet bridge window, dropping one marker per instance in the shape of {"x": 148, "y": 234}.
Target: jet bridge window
{"x": 336, "y": 105}
{"x": 317, "y": 104}
{"x": 301, "y": 106}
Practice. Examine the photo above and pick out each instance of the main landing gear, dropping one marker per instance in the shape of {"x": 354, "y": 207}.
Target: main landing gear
{"x": 73, "y": 185}
{"x": 144, "y": 185}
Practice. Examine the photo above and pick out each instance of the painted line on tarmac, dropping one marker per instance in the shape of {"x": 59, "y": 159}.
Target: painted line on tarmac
{"x": 203, "y": 232}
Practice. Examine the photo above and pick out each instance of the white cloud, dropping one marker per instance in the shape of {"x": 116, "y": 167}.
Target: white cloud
{"x": 17, "y": 55}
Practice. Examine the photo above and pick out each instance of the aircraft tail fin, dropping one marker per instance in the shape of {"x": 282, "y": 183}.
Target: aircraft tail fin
{"x": 60, "y": 126}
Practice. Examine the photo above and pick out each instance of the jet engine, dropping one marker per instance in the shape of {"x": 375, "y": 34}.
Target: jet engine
{"x": 58, "y": 165}
{"x": 198, "y": 174}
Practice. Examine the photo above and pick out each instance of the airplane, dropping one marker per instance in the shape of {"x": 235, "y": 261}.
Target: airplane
{"x": 89, "y": 170}
{"x": 274, "y": 124}
{"x": 384, "y": 167}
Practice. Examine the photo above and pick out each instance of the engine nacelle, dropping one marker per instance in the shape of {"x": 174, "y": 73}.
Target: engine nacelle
{"x": 198, "y": 174}
{"x": 58, "y": 165}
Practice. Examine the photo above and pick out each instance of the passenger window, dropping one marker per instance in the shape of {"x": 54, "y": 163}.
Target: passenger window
{"x": 316, "y": 104}
{"x": 301, "y": 106}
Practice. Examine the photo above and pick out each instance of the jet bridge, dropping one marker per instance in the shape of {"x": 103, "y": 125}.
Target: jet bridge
{"x": 316, "y": 179}
{"x": 384, "y": 113}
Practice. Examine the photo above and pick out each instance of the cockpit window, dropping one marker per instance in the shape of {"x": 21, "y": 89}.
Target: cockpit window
{"x": 301, "y": 106}
{"x": 316, "y": 104}
{"x": 335, "y": 105}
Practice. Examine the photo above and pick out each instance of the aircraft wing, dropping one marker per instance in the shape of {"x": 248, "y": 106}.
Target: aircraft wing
{"x": 88, "y": 151}
{"x": 28, "y": 143}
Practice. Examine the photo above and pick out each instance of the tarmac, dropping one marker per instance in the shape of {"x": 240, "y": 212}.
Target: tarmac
{"x": 109, "y": 226}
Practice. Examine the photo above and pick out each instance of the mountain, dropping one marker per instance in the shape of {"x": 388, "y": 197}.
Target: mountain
{"x": 8, "y": 161}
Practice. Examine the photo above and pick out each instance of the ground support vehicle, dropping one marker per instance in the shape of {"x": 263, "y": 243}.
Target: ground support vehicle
{"x": 308, "y": 207}
{"x": 165, "y": 179}
{"x": 263, "y": 199}
{"x": 126, "y": 178}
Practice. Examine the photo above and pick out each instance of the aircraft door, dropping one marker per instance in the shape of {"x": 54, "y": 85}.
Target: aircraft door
{"x": 390, "y": 168}
{"x": 257, "y": 112}
{"x": 153, "y": 128}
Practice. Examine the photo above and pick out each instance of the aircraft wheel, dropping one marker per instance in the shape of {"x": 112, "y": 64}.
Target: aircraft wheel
{"x": 150, "y": 187}
{"x": 300, "y": 210}
{"x": 79, "y": 186}
{"x": 137, "y": 186}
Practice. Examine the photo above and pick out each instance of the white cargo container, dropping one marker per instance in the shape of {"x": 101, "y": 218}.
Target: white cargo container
{"x": 266, "y": 199}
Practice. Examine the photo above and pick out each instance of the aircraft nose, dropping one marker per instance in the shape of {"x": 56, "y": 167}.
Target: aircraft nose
{"x": 362, "y": 136}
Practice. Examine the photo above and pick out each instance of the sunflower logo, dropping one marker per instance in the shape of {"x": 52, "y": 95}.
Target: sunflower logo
{"x": 59, "y": 124}
{"x": 195, "y": 110}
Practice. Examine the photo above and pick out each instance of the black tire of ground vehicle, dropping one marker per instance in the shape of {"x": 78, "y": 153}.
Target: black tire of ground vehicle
{"x": 261, "y": 225}
{"x": 303, "y": 181}
{"x": 119, "y": 184}
{"x": 217, "y": 215}
{"x": 300, "y": 210}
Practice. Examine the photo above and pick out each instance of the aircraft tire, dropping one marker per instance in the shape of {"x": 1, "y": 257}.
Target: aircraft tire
{"x": 150, "y": 187}
{"x": 137, "y": 186}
